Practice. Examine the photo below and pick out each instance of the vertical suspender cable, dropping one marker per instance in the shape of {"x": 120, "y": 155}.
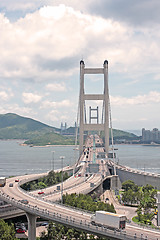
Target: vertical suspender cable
{"x": 112, "y": 135}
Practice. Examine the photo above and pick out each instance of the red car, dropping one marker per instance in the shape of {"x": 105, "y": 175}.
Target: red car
{"x": 20, "y": 230}
{"x": 16, "y": 180}
{"x": 41, "y": 192}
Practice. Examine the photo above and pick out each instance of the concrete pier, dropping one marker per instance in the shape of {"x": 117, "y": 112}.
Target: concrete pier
{"x": 31, "y": 226}
{"x": 84, "y": 126}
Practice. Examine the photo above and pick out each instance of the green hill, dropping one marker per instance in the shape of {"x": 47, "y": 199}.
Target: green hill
{"x": 119, "y": 135}
{"x": 13, "y": 126}
{"x": 50, "y": 139}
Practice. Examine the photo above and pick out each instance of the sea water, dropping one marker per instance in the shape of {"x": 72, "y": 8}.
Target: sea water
{"x": 16, "y": 159}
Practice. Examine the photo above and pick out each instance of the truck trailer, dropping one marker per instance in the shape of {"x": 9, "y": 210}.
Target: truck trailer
{"x": 2, "y": 181}
{"x": 109, "y": 220}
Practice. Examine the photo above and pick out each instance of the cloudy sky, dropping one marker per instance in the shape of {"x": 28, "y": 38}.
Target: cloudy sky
{"x": 42, "y": 43}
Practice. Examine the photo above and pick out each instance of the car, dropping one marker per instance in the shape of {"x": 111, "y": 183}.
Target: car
{"x": 21, "y": 227}
{"x": 11, "y": 185}
{"x": 17, "y": 180}
{"x": 25, "y": 201}
{"x": 44, "y": 224}
{"x": 40, "y": 192}
{"x": 107, "y": 199}
{"x": 19, "y": 224}
{"x": 20, "y": 230}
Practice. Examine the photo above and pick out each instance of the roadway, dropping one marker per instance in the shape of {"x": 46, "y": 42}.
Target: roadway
{"x": 46, "y": 208}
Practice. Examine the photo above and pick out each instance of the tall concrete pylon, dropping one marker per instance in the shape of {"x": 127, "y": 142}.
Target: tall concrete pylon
{"x": 104, "y": 97}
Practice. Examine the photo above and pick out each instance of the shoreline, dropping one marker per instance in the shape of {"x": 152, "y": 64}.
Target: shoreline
{"x": 23, "y": 144}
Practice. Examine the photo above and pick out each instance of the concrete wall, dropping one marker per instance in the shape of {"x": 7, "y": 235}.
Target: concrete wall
{"x": 140, "y": 178}
{"x": 115, "y": 182}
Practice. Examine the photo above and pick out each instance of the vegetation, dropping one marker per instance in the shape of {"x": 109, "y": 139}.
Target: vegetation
{"x": 87, "y": 202}
{"x": 7, "y": 232}
{"x": 13, "y": 126}
{"x": 57, "y": 231}
{"x": 44, "y": 182}
{"x": 119, "y": 136}
{"x": 144, "y": 197}
{"x": 50, "y": 139}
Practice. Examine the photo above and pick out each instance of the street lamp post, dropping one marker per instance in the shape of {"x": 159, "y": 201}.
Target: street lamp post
{"x": 62, "y": 157}
{"x": 52, "y": 161}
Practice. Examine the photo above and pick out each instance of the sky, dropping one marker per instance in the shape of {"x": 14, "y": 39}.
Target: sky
{"x": 42, "y": 43}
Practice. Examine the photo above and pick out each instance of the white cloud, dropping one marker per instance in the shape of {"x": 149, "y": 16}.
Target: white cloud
{"x": 6, "y": 95}
{"x": 19, "y": 5}
{"x": 36, "y": 42}
{"x": 58, "y": 116}
{"x": 15, "y": 108}
{"x": 40, "y": 53}
{"x": 56, "y": 87}
{"x": 61, "y": 104}
{"x": 31, "y": 98}
{"x": 152, "y": 97}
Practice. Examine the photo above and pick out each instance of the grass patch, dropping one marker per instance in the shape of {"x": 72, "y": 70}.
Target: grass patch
{"x": 135, "y": 219}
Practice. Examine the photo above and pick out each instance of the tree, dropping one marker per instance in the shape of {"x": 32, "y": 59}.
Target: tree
{"x": 58, "y": 232}
{"x": 129, "y": 196}
{"x": 43, "y": 236}
{"x": 47, "y": 181}
{"x": 7, "y": 232}
{"x": 147, "y": 203}
{"x": 129, "y": 184}
{"x": 144, "y": 196}
{"x": 139, "y": 213}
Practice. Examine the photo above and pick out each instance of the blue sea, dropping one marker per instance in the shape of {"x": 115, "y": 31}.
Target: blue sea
{"x": 19, "y": 160}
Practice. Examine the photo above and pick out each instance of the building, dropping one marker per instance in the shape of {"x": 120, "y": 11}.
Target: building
{"x": 63, "y": 128}
{"x": 150, "y": 136}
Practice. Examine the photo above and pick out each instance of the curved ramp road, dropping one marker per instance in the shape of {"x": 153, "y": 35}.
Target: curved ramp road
{"x": 47, "y": 208}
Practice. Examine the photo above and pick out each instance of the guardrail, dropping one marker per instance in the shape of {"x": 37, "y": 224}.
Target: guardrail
{"x": 70, "y": 221}
{"x": 21, "y": 182}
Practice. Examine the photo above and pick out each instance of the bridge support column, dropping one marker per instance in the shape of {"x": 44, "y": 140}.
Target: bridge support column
{"x": 104, "y": 97}
{"x": 31, "y": 226}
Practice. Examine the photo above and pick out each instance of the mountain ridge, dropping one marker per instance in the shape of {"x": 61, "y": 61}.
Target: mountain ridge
{"x": 14, "y": 126}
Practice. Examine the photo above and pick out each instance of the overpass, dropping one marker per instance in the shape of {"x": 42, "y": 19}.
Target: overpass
{"x": 48, "y": 206}
{"x": 94, "y": 171}
{"x": 141, "y": 178}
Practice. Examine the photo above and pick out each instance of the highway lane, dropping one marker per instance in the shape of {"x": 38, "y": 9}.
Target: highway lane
{"x": 130, "y": 212}
{"x": 69, "y": 214}
{"x": 72, "y": 181}
{"x": 84, "y": 187}
{"x": 38, "y": 203}
{"x": 57, "y": 212}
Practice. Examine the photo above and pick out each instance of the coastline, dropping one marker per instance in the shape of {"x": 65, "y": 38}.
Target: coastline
{"x": 23, "y": 144}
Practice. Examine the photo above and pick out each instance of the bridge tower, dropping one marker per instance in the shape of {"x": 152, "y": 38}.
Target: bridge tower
{"x": 104, "y": 126}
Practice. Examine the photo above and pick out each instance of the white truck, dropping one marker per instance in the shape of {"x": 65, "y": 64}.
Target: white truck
{"x": 2, "y": 181}
{"x": 109, "y": 220}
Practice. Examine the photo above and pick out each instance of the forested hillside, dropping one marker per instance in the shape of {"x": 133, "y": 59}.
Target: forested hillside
{"x": 13, "y": 126}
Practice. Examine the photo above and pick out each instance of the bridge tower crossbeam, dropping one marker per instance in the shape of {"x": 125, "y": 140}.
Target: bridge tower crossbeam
{"x": 104, "y": 126}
